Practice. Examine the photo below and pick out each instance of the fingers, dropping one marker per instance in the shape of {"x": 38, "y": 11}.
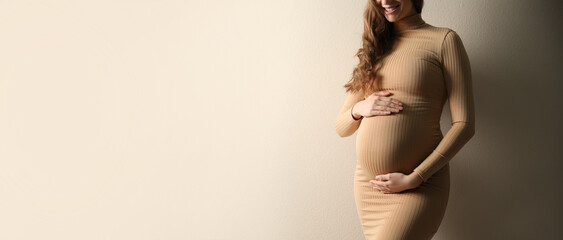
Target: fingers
{"x": 387, "y": 101}
{"x": 386, "y": 108}
{"x": 382, "y": 183}
{"x": 384, "y": 187}
{"x": 383, "y": 96}
{"x": 387, "y": 191}
{"x": 379, "y": 113}
{"x": 383, "y": 105}
{"x": 382, "y": 177}
{"x": 382, "y": 93}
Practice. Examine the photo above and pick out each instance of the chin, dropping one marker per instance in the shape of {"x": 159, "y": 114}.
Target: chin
{"x": 395, "y": 16}
{"x": 391, "y": 19}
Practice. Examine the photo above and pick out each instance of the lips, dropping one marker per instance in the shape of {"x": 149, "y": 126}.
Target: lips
{"x": 389, "y": 10}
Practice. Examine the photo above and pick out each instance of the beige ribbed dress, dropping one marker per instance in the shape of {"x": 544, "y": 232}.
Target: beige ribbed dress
{"x": 427, "y": 66}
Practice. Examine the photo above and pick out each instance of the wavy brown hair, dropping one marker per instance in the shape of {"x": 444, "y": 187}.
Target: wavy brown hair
{"x": 377, "y": 41}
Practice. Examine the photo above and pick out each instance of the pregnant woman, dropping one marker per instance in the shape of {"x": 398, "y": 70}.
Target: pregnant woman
{"x": 408, "y": 69}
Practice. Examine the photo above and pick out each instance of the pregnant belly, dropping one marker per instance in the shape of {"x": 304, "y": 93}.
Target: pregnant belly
{"x": 395, "y": 143}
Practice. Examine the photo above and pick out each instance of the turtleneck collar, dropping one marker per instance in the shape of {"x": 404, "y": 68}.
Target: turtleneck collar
{"x": 411, "y": 22}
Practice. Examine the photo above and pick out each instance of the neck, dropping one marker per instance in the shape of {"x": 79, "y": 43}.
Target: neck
{"x": 410, "y": 22}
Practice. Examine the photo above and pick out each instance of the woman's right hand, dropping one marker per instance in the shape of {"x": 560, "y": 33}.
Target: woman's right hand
{"x": 377, "y": 104}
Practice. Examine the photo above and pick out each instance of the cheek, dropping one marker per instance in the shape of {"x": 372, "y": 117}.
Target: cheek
{"x": 406, "y": 5}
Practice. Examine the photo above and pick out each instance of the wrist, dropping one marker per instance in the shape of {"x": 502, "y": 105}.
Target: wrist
{"x": 415, "y": 180}
{"x": 355, "y": 116}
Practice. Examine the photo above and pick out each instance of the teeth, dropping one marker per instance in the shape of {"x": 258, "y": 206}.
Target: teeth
{"x": 391, "y": 9}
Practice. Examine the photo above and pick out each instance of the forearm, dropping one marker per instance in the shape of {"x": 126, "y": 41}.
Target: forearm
{"x": 458, "y": 135}
{"x": 347, "y": 122}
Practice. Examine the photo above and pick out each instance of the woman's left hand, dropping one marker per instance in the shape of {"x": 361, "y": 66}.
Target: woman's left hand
{"x": 395, "y": 182}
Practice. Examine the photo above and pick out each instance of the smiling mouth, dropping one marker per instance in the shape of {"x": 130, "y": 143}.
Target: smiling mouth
{"x": 392, "y": 9}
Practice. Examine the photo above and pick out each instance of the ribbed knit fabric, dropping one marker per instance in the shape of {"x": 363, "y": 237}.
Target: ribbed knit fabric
{"x": 427, "y": 66}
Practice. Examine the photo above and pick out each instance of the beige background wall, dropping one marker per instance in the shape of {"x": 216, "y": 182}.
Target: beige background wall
{"x": 213, "y": 120}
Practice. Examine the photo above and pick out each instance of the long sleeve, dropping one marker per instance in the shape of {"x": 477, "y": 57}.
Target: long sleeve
{"x": 457, "y": 76}
{"x": 345, "y": 124}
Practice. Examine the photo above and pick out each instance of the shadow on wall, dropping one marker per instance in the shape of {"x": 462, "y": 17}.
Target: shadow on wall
{"x": 510, "y": 188}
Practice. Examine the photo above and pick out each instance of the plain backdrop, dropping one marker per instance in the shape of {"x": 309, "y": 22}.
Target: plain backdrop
{"x": 213, "y": 120}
